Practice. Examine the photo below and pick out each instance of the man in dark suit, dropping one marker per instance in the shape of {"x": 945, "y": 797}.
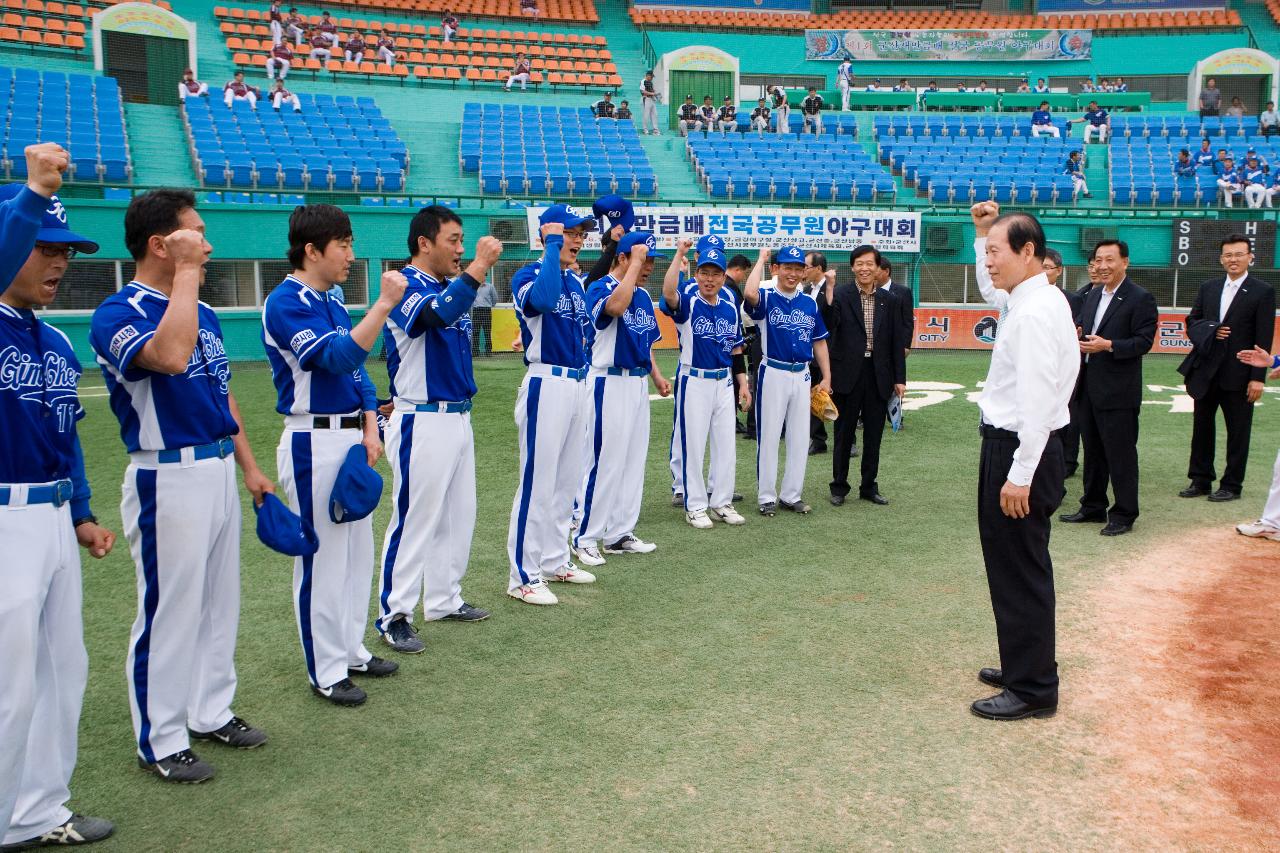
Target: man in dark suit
{"x": 1118, "y": 325}
{"x": 1232, "y": 314}
{"x": 868, "y": 366}
{"x": 1070, "y": 434}
{"x": 906, "y": 302}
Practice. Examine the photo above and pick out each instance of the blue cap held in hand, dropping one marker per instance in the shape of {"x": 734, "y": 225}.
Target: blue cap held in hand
{"x": 357, "y": 489}
{"x": 618, "y": 211}
{"x": 281, "y": 530}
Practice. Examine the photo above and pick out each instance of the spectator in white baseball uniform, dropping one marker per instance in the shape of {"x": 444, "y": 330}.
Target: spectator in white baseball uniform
{"x": 276, "y": 22}
{"x": 280, "y": 60}
{"x": 760, "y": 117}
{"x": 624, "y": 112}
{"x": 281, "y": 95}
{"x": 811, "y": 111}
{"x": 1042, "y": 122}
{"x": 449, "y": 25}
{"x": 689, "y": 117}
{"x": 727, "y": 117}
{"x": 520, "y": 74}
{"x": 649, "y": 104}
{"x": 386, "y": 48}
{"x": 353, "y": 50}
{"x": 190, "y": 87}
{"x": 844, "y": 82}
{"x": 238, "y": 90}
{"x": 321, "y": 47}
{"x": 296, "y": 27}
{"x": 328, "y": 28}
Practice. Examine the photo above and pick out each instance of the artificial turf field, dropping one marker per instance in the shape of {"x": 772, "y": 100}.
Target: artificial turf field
{"x": 797, "y": 683}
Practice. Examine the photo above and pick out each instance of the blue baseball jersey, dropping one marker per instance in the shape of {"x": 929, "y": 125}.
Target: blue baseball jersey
{"x": 1072, "y": 167}
{"x": 1097, "y": 117}
{"x": 1254, "y": 175}
{"x": 1041, "y": 117}
{"x": 1231, "y": 176}
{"x": 557, "y": 336}
{"x": 298, "y": 324}
{"x": 1204, "y": 158}
{"x": 788, "y": 324}
{"x": 39, "y": 374}
{"x": 158, "y": 411}
{"x": 708, "y": 333}
{"x": 623, "y": 341}
{"x": 427, "y": 364}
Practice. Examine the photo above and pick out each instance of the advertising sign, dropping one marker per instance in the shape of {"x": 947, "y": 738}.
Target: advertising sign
{"x": 948, "y": 45}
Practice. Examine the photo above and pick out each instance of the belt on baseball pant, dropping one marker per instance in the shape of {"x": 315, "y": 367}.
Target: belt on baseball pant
{"x": 626, "y": 371}
{"x": 347, "y": 421}
{"x": 444, "y": 408}
{"x": 23, "y": 494}
{"x": 220, "y": 449}
{"x": 699, "y": 373}
{"x": 577, "y": 373}
{"x": 789, "y": 366}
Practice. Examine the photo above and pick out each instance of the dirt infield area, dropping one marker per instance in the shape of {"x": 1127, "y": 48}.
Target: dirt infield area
{"x": 1186, "y": 695}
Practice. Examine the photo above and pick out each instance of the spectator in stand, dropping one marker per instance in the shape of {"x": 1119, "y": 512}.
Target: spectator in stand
{"x": 1210, "y": 98}
{"x": 482, "y": 317}
{"x": 727, "y": 118}
{"x": 1254, "y": 183}
{"x": 1096, "y": 123}
{"x": 688, "y": 116}
{"x": 1269, "y": 120}
{"x": 782, "y": 109}
{"x": 1087, "y": 87}
{"x": 1222, "y": 163}
{"x": 295, "y": 26}
{"x": 903, "y": 86}
{"x": 1042, "y": 122}
{"x": 961, "y": 87}
{"x": 321, "y": 47}
{"x": 1120, "y": 85}
{"x": 529, "y": 7}
{"x": 624, "y": 111}
{"x": 328, "y": 29}
{"x": 1184, "y": 166}
{"x": 1075, "y": 168}
{"x": 1024, "y": 87}
{"x": 280, "y": 95}
{"x": 1237, "y": 108}
{"x": 386, "y": 47}
{"x": 811, "y": 110}
{"x": 604, "y": 108}
{"x": 1104, "y": 86}
{"x": 276, "y": 22}
{"x": 873, "y": 86}
{"x": 449, "y": 25}
{"x": 760, "y": 117}
{"x": 238, "y": 90}
{"x": 707, "y": 113}
{"x": 649, "y": 104}
{"x": 1042, "y": 88}
{"x": 280, "y": 60}
{"x": 520, "y": 73}
{"x": 1262, "y": 161}
{"x": 844, "y": 82}
{"x": 1228, "y": 182}
{"x": 932, "y": 87}
{"x": 353, "y": 50}
{"x": 1204, "y": 157}
{"x": 982, "y": 86}
{"x": 190, "y": 87}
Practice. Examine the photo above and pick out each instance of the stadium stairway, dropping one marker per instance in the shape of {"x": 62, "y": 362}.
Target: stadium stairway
{"x": 159, "y": 146}
{"x": 1256, "y": 17}
{"x": 1097, "y": 175}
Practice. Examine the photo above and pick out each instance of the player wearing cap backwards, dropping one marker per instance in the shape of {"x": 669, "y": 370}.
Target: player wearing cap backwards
{"x": 552, "y": 310}
{"x": 711, "y": 363}
{"x": 44, "y": 515}
{"x": 792, "y": 334}
{"x": 623, "y": 330}
{"x": 689, "y": 116}
{"x": 329, "y": 406}
{"x": 727, "y": 117}
{"x": 429, "y": 439}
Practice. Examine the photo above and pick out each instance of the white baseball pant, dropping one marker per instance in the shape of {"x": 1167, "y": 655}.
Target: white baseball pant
{"x": 183, "y": 93}
{"x": 617, "y": 447}
{"x": 277, "y": 100}
{"x": 649, "y": 109}
{"x": 705, "y": 409}
{"x": 549, "y": 424}
{"x": 1271, "y": 512}
{"x": 760, "y": 124}
{"x": 687, "y": 125}
{"x": 1255, "y": 195}
{"x": 297, "y": 33}
{"x": 1038, "y": 129}
{"x": 428, "y": 541}
{"x": 844, "y": 95}
{"x": 44, "y": 668}
{"x": 353, "y": 55}
{"x": 783, "y": 116}
{"x": 323, "y": 54}
{"x": 782, "y": 397}
{"x": 331, "y": 588}
{"x": 522, "y": 79}
{"x": 675, "y": 458}
{"x": 277, "y": 66}
{"x": 1101, "y": 130}
{"x": 816, "y": 121}
{"x": 387, "y": 55}
{"x": 277, "y": 31}
{"x": 182, "y": 520}
{"x": 1229, "y": 191}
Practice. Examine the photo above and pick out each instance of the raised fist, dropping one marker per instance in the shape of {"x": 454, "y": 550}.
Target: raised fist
{"x": 552, "y": 228}
{"x": 186, "y": 247}
{"x": 683, "y": 245}
{"x": 764, "y": 255}
{"x": 639, "y": 252}
{"x": 616, "y": 232}
{"x": 488, "y": 250}
{"x": 830, "y": 276}
{"x": 393, "y": 285}
{"x": 45, "y": 164}
{"x": 984, "y": 213}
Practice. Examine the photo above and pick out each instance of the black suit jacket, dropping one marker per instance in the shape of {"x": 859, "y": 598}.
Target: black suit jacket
{"x": 1114, "y": 379}
{"x": 848, "y": 340}
{"x": 1076, "y": 301}
{"x": 1252, "y": 320}
{"x": 907, "y": 312}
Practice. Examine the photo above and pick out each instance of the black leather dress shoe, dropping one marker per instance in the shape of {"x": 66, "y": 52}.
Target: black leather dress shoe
{"x": 816, "y": 448}
{"x": 1194, "y": 491}
{"x": 875, "y": 498}
{"x": 991, "y": 675}
{"x": 1116, "y": 528}
{"x": 837, "y": 500}
{"x": 1080, "y": 516}
{"x": 1222, "y": 496}
{"x": 1006, "y": 706}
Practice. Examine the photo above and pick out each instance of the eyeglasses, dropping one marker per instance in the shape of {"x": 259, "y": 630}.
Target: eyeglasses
{"x": 1234, "y": 256}
{"x": 59, "y": 251}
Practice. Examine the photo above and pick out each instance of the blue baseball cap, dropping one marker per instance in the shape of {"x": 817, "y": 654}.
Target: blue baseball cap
{"x": 357, "y": 489}
{"x": 710, "y": 241}
{"x": 636, "y": 238}
{"x": 53, "y": 227}
{"x": 567, "y": 216}
{"x": 283, "y": 531}
{"x": 618, "y": 210}
{"x": 711, "y": 257}
{"x": 790, "y": 255}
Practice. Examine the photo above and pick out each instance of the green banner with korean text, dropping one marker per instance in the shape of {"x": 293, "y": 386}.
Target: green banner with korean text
{"x": 948, "y": 45}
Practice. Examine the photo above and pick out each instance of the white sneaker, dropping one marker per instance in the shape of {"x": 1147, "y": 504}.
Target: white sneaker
{"x": 1259, "y": 530}
{"x": 534, "y": 593}
{"x": 569, "y": 573}
{"x": 728, "y": 514}
{"x": 698, "y": 518}
{"x": 589, "y": 555}
{"x": 630, "y": 545}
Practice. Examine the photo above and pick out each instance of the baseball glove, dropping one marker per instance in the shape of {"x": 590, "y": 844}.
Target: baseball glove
{"x": 821, "y": 406}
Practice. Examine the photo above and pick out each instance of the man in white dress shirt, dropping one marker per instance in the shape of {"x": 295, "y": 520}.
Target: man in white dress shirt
{"x": 1023, "y": 404}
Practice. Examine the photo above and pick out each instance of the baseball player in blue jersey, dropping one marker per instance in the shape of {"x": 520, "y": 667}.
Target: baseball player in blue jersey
{"x": 329, "y": 406}
{"x": 44, "y": 515}
{"x": 792, "y": 334}
{"x": 711, "y": 363}
{"x": 551, "y": 307}
{"x": 429, "y": 439}
{"x": 623, "y": 330}
{"x": 167, "y": 373}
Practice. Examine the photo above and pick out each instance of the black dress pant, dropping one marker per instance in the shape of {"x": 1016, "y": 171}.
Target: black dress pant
{"x": 1019, "y": 569}
{"x": 817, "y": 426}
{"x": 1237, "y": 412}
{"x": 754, "y": 355}
{"x": 1110, "y": 438}
{"x": 863, "y": 401}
